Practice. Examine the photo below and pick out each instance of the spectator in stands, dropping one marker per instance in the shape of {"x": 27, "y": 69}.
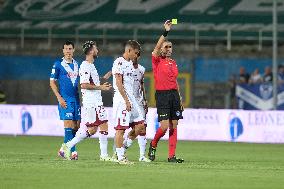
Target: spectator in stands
{"x": 2, "y": 95}
{"x": 280, "y": 74}
{"x": 232, "y": 85}
{"x": 255, "y": 77}
{"x": 268, "y": 77}
{"x": 243, "y": 76}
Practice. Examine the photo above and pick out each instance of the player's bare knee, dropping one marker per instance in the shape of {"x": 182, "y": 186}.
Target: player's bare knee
{"x": 173, "y": 124}
{"x": 142, "y": 132}
{"x": 69, "y": 124}
{"x": 76, "y": 128}
{"x": 138, "y": 129}
{"x": 77, "y": 125}
{"x": 131, "y": 134}
{"x": 164, "y": 125}
{"x": 120, "y": 133}
{"x": 104, "y": 127}
{"x": 92, "y": 130}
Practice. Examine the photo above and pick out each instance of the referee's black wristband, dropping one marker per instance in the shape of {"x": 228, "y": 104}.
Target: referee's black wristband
{"x": 165, "y": 33}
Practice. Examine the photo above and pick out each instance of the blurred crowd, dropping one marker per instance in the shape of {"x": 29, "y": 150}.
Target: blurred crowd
{"x": 2, "y": 95}
{"x": 255, "y": 77}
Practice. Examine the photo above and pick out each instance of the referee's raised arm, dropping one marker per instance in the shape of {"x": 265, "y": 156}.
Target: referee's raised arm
{"x": 156, "y": 51}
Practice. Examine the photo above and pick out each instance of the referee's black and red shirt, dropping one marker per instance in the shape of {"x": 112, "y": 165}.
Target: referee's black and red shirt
{"x": 165, "y": 73}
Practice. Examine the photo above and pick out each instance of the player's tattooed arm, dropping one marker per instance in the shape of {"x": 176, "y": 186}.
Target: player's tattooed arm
{"x": 120, "y": 87}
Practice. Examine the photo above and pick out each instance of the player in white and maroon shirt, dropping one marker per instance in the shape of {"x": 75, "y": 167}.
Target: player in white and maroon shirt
{"x": 93, "y": 112}
{"x": 125, "y": 106}
{"x": 140, "y": 96}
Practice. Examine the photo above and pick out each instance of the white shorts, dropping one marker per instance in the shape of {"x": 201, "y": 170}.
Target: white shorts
{"x": 94, "y": 115}
{"x": 123, "y": 118}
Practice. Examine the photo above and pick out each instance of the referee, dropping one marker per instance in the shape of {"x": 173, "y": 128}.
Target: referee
{"x": 168, "y": 100}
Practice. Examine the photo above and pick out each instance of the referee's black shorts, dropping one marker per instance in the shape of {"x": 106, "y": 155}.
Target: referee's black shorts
{"x": 168, "y": 105}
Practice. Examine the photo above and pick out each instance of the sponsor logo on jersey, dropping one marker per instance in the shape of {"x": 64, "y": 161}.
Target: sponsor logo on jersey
{"x": 72, "y": 75}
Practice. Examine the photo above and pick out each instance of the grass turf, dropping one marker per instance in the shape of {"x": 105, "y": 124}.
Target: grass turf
{"x": 32, "y": 162}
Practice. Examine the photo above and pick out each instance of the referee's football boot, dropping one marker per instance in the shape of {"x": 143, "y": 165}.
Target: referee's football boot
{"x": 174, "y": 159}
{"x": 152, "y": 152}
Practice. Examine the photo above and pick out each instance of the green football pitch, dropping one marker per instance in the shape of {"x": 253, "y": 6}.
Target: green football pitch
{"x": 32, "y": 162}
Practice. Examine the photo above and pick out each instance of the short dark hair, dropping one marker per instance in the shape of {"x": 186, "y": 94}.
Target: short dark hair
{"x": 166, "y": 41}
{"x": 68, "y": 43}
{"x": 133, "y": 44}
{"x": 88, "y": 46}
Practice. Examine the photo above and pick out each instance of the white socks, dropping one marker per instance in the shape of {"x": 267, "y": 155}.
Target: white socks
{"x": 103, "y": 144}
{"x": 142, "y": 141}
{"x": 114, "y": 147}
{"x": 120, "y": 153}
{"x": 80, "y": 135}
{"x": 127, "y": 142}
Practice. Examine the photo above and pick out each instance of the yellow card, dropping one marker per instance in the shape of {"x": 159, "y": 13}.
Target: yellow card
{"x": 174, "y": 21}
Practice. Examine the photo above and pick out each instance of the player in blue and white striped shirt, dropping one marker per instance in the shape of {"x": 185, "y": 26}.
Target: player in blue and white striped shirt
{"x": 65, "y": 73}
